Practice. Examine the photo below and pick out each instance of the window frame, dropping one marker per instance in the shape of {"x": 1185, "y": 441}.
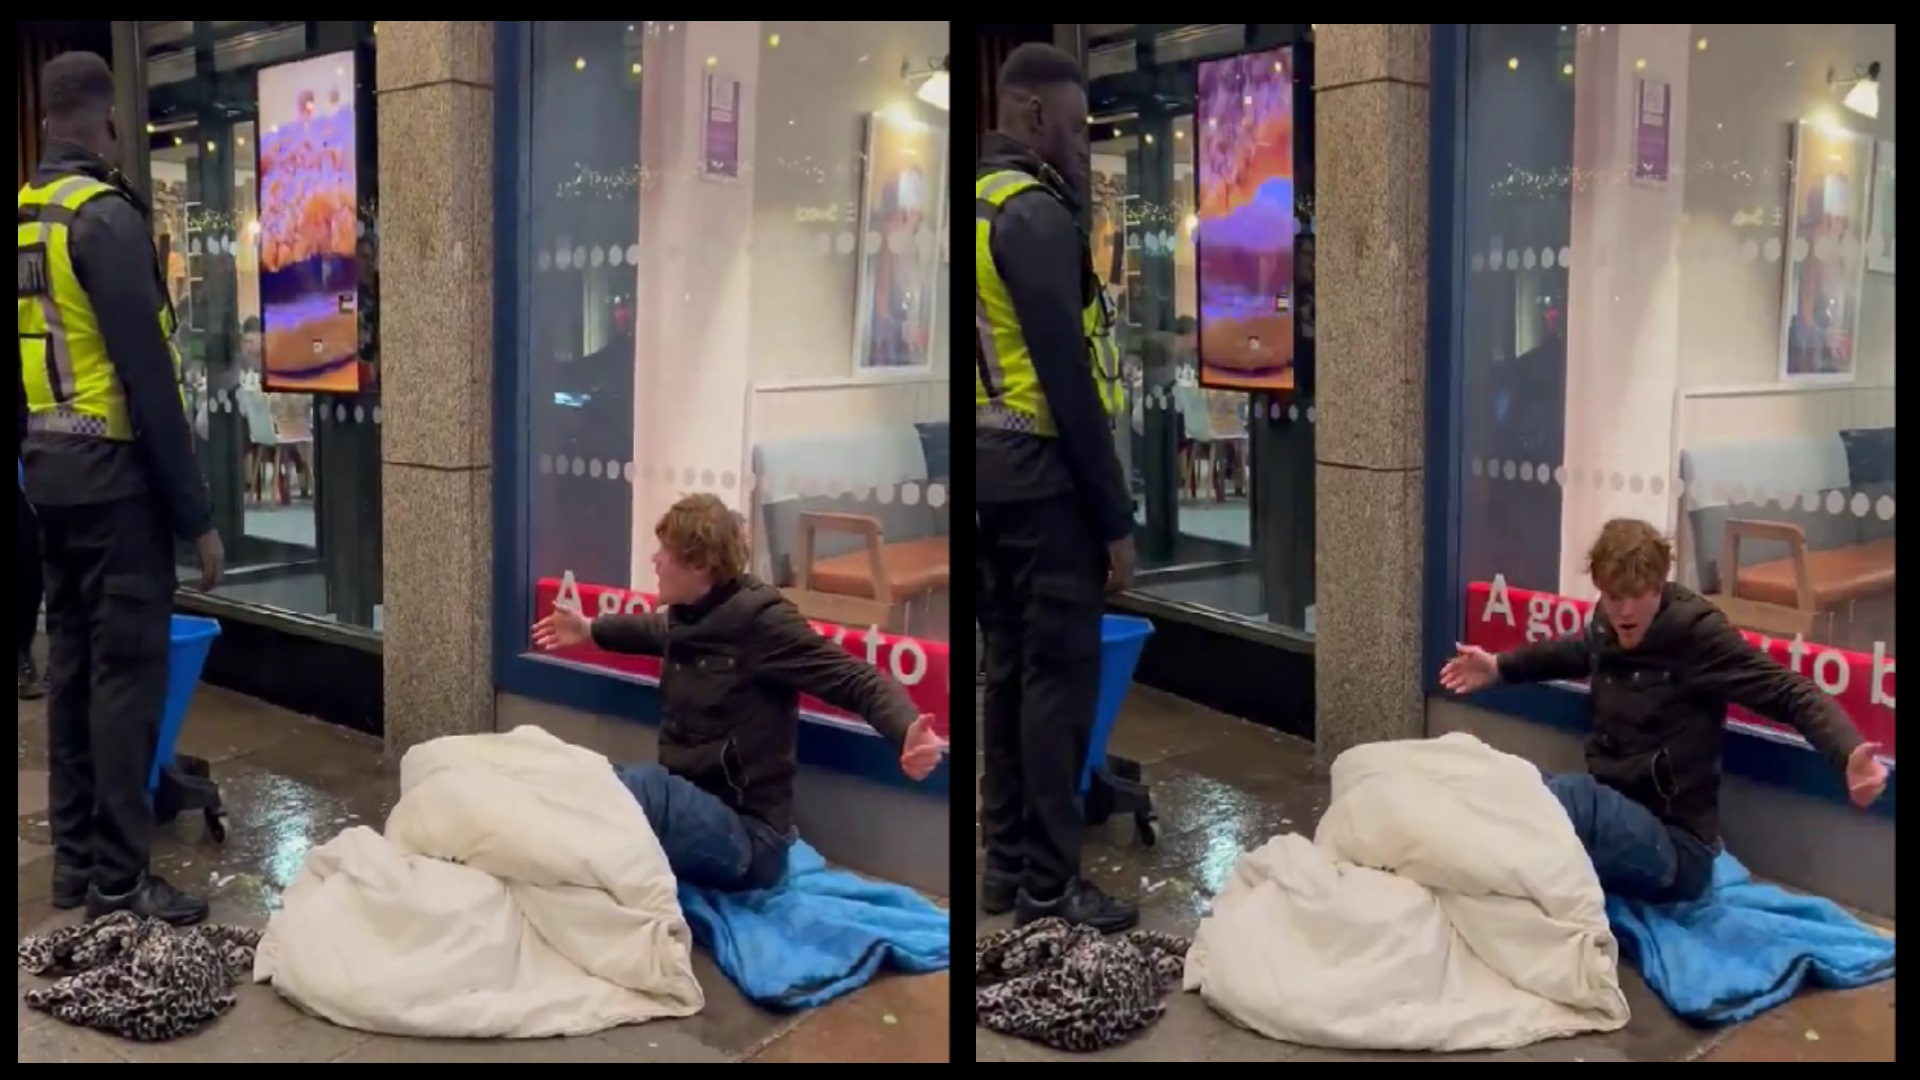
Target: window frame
{"x": 1768, "y": 758}
{"x": 822, "y": 743}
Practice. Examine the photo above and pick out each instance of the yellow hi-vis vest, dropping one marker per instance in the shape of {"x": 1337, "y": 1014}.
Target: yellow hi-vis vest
{"x": 1006, "y": 389}
{"x": 71, "y": 385}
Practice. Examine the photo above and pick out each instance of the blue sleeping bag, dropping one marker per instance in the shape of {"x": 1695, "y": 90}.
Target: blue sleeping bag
{"x": 819, "y": 934}
{"x": 1746, "y": 947}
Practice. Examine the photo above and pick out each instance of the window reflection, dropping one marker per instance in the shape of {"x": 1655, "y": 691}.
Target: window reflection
{"x": 1189, "y": 451}
{"x": 301, "y": 534}
{"x": 1692, "y": 324}
{"x": 737, "y": 285}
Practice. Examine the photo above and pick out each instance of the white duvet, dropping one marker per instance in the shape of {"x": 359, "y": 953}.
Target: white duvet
{"x": 1444, "y": 904}
{"x": 517, "y": 892}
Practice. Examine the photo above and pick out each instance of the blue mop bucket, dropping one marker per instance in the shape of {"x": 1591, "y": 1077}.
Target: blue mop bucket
{"x": 1122, "y": 639}
{"x": 191, "y": 640}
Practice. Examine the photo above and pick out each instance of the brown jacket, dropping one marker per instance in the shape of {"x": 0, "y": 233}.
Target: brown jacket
{"x": 735, "y": 666}
{"x": 1660, "y": 709}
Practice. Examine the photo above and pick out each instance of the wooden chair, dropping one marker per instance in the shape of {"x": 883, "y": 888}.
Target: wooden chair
{"x": 878, "y": 584}
{"x": 1788, "y": 597}
{"x": 279, "y": 444}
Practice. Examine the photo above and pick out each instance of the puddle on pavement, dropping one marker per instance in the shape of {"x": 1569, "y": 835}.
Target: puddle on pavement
{"x": 1225, "y": 788}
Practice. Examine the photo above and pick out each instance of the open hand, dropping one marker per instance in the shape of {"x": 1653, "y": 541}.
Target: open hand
{"x": 1866, "y": 775}
{"x": 921, "y": 753}
{"x": 1471, "y": 669}
{"x": 562, "y": 629}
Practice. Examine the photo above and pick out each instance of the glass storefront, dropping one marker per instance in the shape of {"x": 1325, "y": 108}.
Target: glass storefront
{"x": 735, "y": 276}
{"x": 260, "y": 160}
{"x": 1675, "y": 271}
{"x": 1198, "y": 129}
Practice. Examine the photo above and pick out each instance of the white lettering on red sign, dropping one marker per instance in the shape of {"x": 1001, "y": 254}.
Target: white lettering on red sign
{"x": 901, "y": 657}
{"x": 1551, "y": 616}
{"x": 1882, "y": 675}
{"x": 569, "y": 595}
{"x": 1498, "y": 601}
{"x": 908, "y": 662}
{"x": 1830, "y": 672}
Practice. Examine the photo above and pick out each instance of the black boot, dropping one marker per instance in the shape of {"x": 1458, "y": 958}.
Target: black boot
{"x": 153, "y": 898}
{"x": 1082, "y": 904}
{"x": 31, "y": 684}
{"x": 70, "y": 885}
{"x": 999, "y": 891}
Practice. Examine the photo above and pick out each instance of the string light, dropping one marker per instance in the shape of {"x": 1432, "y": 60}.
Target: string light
{"x": 622, "y": 184}
{"x": 200, "y": 221}
{"x": 1528, "y": 184}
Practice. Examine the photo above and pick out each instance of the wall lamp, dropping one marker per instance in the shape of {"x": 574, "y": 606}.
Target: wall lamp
{"x": 935, "y": 86}
{"x": 1863, "y": 89}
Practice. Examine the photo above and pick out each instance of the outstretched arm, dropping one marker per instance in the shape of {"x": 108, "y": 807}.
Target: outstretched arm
{"x": 1548, "y": 661}
{"x": 1731, "y": 669}
{"x": 794, "y": 654}
{"x": 637, "y": 635}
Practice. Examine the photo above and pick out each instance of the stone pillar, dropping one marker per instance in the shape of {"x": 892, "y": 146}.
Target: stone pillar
{"x": 1371, "y": 175}
{"x": 435, "y": 110}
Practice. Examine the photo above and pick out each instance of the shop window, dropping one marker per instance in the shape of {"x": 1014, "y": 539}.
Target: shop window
{"x": 1679, "y": 307}
{"x": 1217, "y": 440}
{"x": 737, "y": 285}
{"x": 261, "y": 165}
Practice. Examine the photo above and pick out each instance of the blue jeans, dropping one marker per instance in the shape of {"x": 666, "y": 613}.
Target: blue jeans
{"x": 708, "y": 845}
{"x": 1636, "y": 855}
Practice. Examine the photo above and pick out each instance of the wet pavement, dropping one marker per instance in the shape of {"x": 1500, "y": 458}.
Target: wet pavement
{"x": 1222, "y": 786}
{"x": 292, "y": 783}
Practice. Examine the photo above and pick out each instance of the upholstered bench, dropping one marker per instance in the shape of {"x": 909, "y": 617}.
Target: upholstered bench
{"x": 852, "y": 529}
{"x": 1769, "y": 547}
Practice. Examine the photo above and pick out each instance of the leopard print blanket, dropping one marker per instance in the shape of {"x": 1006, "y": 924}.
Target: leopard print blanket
{"x": 138, "y": 978}
{"x": 1070, "y": 988}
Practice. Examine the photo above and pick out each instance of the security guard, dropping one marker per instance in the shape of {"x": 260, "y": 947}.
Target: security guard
{"x": 1055, "y": 516}
{"x": 109, "y": 466}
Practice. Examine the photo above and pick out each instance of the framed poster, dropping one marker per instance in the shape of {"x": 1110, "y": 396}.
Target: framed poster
{"x": 1244, "y": 237}
{"x": 1826, "y": 237}
{"x": 1652, "y": 131}
{"x": 720, "y": 136}
{"x": 898, "y": 284}
{"x": 1880, "y": 228}
{"x": 309, "y": 226}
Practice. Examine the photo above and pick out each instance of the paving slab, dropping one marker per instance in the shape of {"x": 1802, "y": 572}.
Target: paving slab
{"x": 291, "y": 783}
{"x": 1222, "y": 786}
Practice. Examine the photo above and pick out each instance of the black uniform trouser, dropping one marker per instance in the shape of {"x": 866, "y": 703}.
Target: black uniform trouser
{"x": 110, "y": 583}
{"x": 1042, "y": 579}
{"x": 27, "y": 614}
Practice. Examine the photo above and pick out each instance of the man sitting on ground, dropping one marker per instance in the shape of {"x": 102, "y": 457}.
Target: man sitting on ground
{"x": 1663, "y": 665}
{"x": 738, "y": 656}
